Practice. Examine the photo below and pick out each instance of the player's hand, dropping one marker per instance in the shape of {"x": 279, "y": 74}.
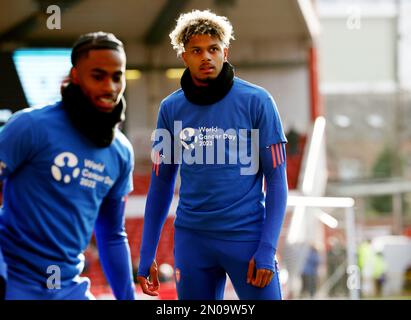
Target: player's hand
{"x": 258, "y": 277}
{"x": 151, "y": 284}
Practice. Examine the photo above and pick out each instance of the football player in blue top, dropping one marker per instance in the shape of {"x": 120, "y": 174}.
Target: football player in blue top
{"x": 67, "y": 170}
{"x": 225, "y": 135}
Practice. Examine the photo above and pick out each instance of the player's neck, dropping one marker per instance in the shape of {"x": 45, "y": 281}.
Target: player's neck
{"x": 214, "y": 91}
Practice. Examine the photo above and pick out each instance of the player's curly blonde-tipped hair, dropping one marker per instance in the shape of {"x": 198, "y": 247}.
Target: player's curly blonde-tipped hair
{"x": 199, "y": 22}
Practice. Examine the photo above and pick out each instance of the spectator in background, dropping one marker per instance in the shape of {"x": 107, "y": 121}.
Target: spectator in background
{"x": 336, "y": 267}
{"x": 310, "y": 272}
{"x": 366, "y": 260}
{"x": 379, "y": 273}
{"x": 407, "y": 281}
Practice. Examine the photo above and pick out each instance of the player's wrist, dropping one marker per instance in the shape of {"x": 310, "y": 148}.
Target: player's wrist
{"x": 265, "y": 256}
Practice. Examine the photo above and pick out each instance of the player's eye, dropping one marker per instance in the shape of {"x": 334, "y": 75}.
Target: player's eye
{"x": 97, "y": 77}
{"x": 117, "y": 78}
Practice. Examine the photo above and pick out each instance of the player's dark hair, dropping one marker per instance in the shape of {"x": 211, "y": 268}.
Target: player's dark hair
{"x": 94, "y": 41}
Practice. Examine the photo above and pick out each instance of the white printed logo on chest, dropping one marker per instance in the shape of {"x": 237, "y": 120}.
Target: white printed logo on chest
{"x": 61, "y": 162}
{"x": 66, "y": 168}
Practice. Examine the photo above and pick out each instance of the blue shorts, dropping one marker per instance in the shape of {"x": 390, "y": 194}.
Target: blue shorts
{"x": 201, "y": 265}
{"x": 16, "y": 290}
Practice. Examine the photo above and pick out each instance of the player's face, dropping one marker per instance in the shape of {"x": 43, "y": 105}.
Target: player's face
{"x": 204, "y": 56}
{"x": 101, "y": 76}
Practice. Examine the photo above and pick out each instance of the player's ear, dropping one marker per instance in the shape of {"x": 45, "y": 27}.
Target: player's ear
{"x": 73, "y": 75}
{"x": 225, "y": 51}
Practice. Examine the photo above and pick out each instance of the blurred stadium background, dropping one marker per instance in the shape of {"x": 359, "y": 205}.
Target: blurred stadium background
{"x": 340, "y": 72}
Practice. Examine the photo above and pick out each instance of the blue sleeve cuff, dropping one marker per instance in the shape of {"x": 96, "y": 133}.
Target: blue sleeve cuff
{"x": 265, "y": 257}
